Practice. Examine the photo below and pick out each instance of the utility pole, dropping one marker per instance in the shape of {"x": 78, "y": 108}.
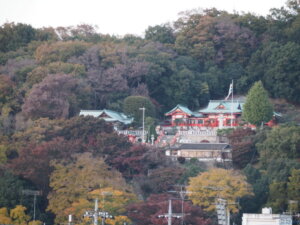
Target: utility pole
{"x": 95, "y": 214}
{"x": 182, "y": 195}
{"x": 222, "y": 213}
{"x": 70, "y": 220}
{"x": 34, "y": 193}
{"x": 143, "y": 138}
{"x": 170, "y": 215}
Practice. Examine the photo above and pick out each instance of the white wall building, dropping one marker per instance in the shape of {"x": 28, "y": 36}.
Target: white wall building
{"x": 266, "y": 218}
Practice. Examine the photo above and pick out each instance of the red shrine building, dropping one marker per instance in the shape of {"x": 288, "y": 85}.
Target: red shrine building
{"x": 218, "y": 113}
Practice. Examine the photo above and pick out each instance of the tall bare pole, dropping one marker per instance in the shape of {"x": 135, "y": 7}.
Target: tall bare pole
{"x": 231, "y": 121}
{"x": 96, "y": 212}
{"x": 170, "y": 214}
{"x": 143, "y": 134}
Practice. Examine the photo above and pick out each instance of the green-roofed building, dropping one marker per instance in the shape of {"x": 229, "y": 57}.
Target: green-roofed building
{"x": 116, "y": 118}
{"x": 218, "y": 113}
{"x": 182, "y": 115}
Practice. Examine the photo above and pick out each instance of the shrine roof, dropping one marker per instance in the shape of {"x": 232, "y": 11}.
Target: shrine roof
{"x": 112, "y": 116}
{"x": 184, "y": 109}
{"x": 223, "y": 106}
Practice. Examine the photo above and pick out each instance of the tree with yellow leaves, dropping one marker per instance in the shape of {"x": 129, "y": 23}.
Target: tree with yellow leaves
{"x": 110, "y": 199}
{"x": 16, "y": 216}
{"x": 218, "y": 183}
{"x": 73, "y": 181}
{"x": 4, "y": 216}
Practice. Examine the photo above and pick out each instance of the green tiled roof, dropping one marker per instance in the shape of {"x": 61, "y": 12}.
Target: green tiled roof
{"x": 185, "y": 110}
{"x": 229, "y": 106}
{"x": 113, "y": 116}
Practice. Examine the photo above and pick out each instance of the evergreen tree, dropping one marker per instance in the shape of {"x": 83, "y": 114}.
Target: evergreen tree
{"x": 133, "y": 104}
{"x": 257, "y": 108}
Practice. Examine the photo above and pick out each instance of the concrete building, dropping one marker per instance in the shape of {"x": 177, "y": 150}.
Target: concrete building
{"x": 266, "y": 218}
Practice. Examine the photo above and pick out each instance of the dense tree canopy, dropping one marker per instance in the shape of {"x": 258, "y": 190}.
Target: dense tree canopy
{"x": 227, "y": 184}
{"x": 73, "y": 180}
{"x": 258, "y": 108}
{"x": 47, "y": 75}
{"x": 133, "y": 105}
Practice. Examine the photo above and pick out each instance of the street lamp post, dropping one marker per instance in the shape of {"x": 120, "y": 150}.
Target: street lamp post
{"x": 143, "y": 134}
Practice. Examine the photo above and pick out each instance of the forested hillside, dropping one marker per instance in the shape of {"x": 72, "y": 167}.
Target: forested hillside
{"x": 47, "y": 75}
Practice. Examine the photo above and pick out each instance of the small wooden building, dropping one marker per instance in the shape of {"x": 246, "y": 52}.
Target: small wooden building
{"x": 202, "y": 151}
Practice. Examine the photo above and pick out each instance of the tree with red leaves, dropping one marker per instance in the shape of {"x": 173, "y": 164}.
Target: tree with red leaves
{"x": 243, "y": 146}
{"x": 146, "y": 213}
{"x": 33, "y": 162}
{"x": 138, "y": 160}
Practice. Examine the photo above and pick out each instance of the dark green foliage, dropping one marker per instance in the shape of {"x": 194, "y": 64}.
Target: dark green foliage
{"x": 11, "y": 190}
{"x": 132, "y": 106}
{"x": 192, "y": 168}
{"x": 278, "y": 197}
{"x": 162, "y": 34}
{"x": 14, "y": 36}
{"x": 260, "y": 185}
{"x": 258, "y": 108}
{"x": 281, "y": 142}
{"x": 293, "y": 189}
{"x": 282, "y": 76}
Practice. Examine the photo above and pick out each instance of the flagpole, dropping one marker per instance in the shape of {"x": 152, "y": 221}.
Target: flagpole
{"x": 231, "y": 121}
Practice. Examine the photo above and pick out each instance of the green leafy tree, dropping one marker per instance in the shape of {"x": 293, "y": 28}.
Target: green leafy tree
{"x": 133, "y": 104}
{"x": 160, "y": 33}
{"x": 282, "y": 142}
{"x": 258, "y": 108}
{"x": 278, "y": 196}
{"x": 293, "y": 189}
{"x": 14, "y": 36}
{"x": 260, "y": 185}
{"x": 59, "y": 51}
{"x": 11, "y": 190}
{"x": 282, "y": 76}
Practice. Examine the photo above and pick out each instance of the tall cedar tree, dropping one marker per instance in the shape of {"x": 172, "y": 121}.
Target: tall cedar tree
{"x": 258, "y": 108}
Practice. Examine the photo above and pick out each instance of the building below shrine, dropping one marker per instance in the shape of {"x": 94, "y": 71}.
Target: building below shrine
{"x": 205, "y": 152}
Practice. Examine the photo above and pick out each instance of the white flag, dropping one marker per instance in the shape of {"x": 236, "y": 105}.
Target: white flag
{"x": 230, "y": 91}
